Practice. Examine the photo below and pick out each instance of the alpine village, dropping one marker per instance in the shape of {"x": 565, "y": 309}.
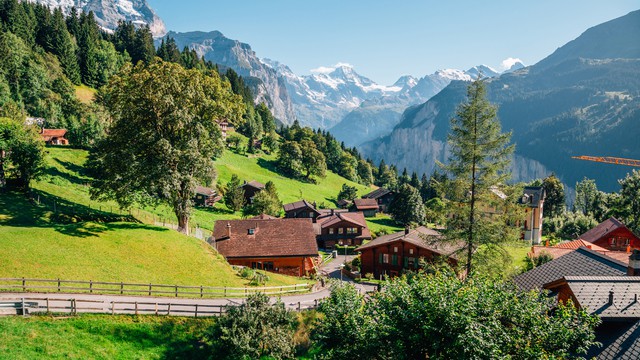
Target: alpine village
{"x": 171, "y": 195}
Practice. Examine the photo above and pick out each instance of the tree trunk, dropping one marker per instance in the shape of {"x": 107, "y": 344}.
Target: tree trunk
{"x": 183, "y": 223}
{"x": 3, "y": 180}
{"x": 181, "y": 207}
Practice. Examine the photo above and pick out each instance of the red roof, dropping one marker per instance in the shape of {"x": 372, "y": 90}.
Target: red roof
{"x": 263, "y": 217}
{"x": 54, "y": 132}
{"x": 603, "y": 229}
{"x": 264, "y": 238}
{"x": 205, "y": 191}
{"x": 575, "y": 244}
{"x": 365, "y": 204}
{"x": 356, "y": 218}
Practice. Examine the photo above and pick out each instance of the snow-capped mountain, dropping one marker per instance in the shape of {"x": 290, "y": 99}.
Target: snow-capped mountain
{"x": 109, "y": 12}
{"x": 377, "y": 117}
{"x": 324, "y": 97}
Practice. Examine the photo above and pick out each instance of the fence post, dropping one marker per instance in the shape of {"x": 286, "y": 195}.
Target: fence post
{"x": 73, "y": 306}
{"x": 23, "y": 311}
{"x": 48, "y": 305}
{"x": 225, "y": 291}
{"x": 298, "y": 305}
{"x": 176, "y": 290}
{"x": 23, "y": 285}
{"x": 121, "y": 288}
{"x": 113, "y": 308}
{"x": 149, "y": 289}
{"x": 200, "y": 290}
{"x": 58, "y": 284}
{"x": 136, "y": 306}
{"x": 196, "y": 314}
{"x": 91, "y": 286}
{"x": 156, "y": 308}
{"x": 315, "y": 303}
{"x": 169, "y": 309}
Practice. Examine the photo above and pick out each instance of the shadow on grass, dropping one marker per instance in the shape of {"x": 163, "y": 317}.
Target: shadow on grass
{"x": 80, "y": 170}
{"x": 272, "y": 165}
{"x": 55, "y": 173}
{"x": 215, "y": 210}
{"x": 384, "y": 222}
{"x": 66, "y": 217}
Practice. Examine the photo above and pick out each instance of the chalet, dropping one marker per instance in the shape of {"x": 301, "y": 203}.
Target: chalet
{"x": 533, "y": 200}
{"x": 251, "y": 188}
{"x": 286, "y": 246}
{"x": 395, "y": 253}
{"x": 224, "y": 128}
{"x": 301, "y": 209}
{"x": 54, "y": 136}
{"x": 341, "y": 228}
{"x": 382, "y": 196}
{"x": 344, "y": 204}
{"x": 369, "y": 207}
{"x": 613, "y": 235}
{"x": 205, "y": 196}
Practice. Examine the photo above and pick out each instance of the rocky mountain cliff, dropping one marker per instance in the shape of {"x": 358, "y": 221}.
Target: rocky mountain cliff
{"x": 582, "y": 99}
{"x": 377, "y": 117}
{"x": 109, "y": 12}
{"x": 266, "y": 84}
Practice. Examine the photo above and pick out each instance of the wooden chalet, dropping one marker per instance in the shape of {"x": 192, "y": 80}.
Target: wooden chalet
{"x": 224, "y": 128}
{"x": 341, "y": 228}
{"x": 344, "y": 204}
{"x": 301, "y": 209}
{"x": 382, "y": 196}
{"x": 251, "y": 188}
{"x": 205, "y": 196}
{"x": 286, "y": 246}
{"x": 612, "y": 234}
{"x": 54, "y": 136}
{"x": 533, "y": 200}
{"x": 369, "y": 207}
{"x": 395, "y": 253}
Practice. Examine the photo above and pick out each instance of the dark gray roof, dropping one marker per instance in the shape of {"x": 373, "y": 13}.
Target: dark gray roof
{"x": 532, "y": 195}
{"x": 423, "y": 237}
{"x": 582, "y": 262}
{"x": 620, "y": 340}
{"x": 379, "y": 192}
{"x": 299, "y": 205}
{"x": 593, "y": 294}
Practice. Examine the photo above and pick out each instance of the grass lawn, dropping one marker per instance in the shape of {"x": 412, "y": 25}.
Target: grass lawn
{"x": 382, "y": 224}
{"x": 85, "y": 94}
{"x": 103, "y": 337}
{"x": 518, "y": 252}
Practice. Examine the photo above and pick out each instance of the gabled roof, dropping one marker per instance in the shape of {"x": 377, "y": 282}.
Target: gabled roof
{"x": 54, "y": 132}
{"x": 253, "y": 184}
{"x": 595, "y": 293}
{"x": 603, "y": 229}
{"x": 422, "y": 237}
{"x": 263, "y": 217}
{"x": 551, "y": 250}
{"x": 299, "y": 205}
{"x": 581, "y": 262}
{"x": 365, "y": 204}
{"x": 270, "y": 238}
{"x": 355, "y": 218}
{"x": 620, "y": 340}
{"x": 576, "y": 244}
{"x": 204, "y": 191}
{"x": 532, "y": 196}
{"x": 377, "y": 193}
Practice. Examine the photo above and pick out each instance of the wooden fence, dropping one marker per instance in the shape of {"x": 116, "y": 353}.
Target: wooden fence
{"x": 122, "y": 288}
{"x": 31, "y": 305}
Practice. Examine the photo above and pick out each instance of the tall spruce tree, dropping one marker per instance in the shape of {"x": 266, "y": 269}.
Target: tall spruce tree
{"x": 480, "y": 157}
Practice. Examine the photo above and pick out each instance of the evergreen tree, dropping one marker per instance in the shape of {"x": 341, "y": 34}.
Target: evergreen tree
{"x": 586, "y": 196}
{"x": 168, "y": 51}
{"x": 62, "y": 46}
{"x": 143, "y": 48}
{"x": 404, "y": 178}
{"x": 268, "y": 121}
{"x": 480, "y": 157}
{"x": 87, "y": 39}
{"x": 407, "y": 207}
{"x": 415, "y": 182}
{"x": 347, "y": 193}
{"x": 234, "y": 195}
{"x": 73, "y": 23}
{"x": 265, "y": 202}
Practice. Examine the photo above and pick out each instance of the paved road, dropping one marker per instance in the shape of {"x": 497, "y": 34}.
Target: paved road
{"x": 126, "y": 304}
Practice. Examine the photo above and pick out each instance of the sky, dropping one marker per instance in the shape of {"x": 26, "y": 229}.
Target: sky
{"x": 384, "y": 39}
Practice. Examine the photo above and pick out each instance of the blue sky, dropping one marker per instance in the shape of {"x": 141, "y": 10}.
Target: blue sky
{"x": 386, "y": 39}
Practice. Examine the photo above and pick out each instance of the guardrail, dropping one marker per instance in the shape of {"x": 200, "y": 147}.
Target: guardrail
{"x": 122, "y": 288}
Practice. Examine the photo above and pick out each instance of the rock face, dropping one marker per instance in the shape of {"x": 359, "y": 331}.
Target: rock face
{"x": 109, "y": 12}
{"x": 582, "y": 99}
{"x": 377, "y": 117}
{"x": 265, "y": 82}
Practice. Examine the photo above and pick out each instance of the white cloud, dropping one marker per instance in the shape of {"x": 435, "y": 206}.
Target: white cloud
{"x": 508, "y": 63}
{"x": 328, "y": 69}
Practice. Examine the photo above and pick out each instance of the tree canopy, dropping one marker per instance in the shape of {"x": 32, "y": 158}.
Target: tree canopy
{"x": 164, "y": 137}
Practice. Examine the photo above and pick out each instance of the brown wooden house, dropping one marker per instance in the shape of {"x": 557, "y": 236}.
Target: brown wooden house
{"x": 251, "y": 188}
{"x": 205, "y": 196}
{"x": 54, "y": 136}
{"x": 395, "y": 253}
{"x": 612, "y": 234}
{"x": 382, "y": 196}
{"x": 301, "y": 209}
{"x": 341, "y": 228}
{"x": 286, "y": 246}
{"x": 369, "y": 207}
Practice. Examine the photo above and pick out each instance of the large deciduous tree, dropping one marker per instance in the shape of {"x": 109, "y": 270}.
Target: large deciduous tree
{"x": 163, "y": 139}
{"x": 630, "y": 199}
{"x": 21, "y": 152}
{"x": 554, "y": 202}
{"x": 480, "y": 157}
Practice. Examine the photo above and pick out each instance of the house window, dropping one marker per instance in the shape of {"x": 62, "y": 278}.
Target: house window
{"x": 352, "y": 230}
{"x": 340, "y": 231}
{"x": 410, "y": 251}
{"x": 331, "y": 231}
{"x": 252, "y": 231}
{"x": 340, "y": 242}
{"x": 268, "y": 265}
{"x": 385, "y": 258}
{"x": 349, "y": 242}
{"x": 395, "y": 249}
{"x": 613, "y": 241}
{"x": 394, "y": 259}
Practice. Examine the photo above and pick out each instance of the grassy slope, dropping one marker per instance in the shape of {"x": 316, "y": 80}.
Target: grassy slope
{"x": 102, "y": 337}
{"x": 85, "y": 94}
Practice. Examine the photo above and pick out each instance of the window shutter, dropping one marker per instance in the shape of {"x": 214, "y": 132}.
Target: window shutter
{"x": 380, "y": 258}
{"x": 406, "y": 262}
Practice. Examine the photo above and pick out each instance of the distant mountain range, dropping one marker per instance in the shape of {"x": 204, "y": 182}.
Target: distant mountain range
{"x": 582, "y": 99}
{"x": 109, "y": 12}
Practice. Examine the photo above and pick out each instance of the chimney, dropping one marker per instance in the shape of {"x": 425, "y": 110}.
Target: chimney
{"x": 229, "y": 230}
{"x": 634, "y": 263}
{"x": 332, "y": 211}
{"x": 610, "y": 297}
{"x": 406, "y": 231}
